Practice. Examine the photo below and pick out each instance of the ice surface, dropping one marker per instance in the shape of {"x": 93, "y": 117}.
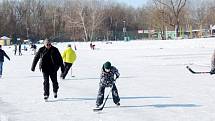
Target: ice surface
{"x": 154, "y": 84}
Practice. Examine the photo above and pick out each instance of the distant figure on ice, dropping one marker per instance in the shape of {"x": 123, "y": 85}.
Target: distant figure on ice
{"x": 75, "y": 47}
{"x": 15, "y": 49}
{"x": 2, "y": 54}
{"x": 92, "y": 46}
{"x": 25, "y": 48}
{"x": 50, "y": 61}
{"x": 34, "y": 48}
{"x": 109, "y": 74}
{"x": 69, "y": 58}
{"x": 20, "y": 49}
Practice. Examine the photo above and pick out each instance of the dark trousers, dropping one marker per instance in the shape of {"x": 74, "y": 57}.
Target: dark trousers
{"x": 53, "y": 77}
{"x": 20, "y": 53}
{"x": 100, "y": 96}
{"x": 67, "y": 67}
{"x": 15, "y": 52}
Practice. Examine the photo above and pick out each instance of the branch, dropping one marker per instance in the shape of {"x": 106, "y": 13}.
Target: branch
{"x": 173, "y": 8}
{"x": 159, "y": 1}
{"x": 180, "y": 8}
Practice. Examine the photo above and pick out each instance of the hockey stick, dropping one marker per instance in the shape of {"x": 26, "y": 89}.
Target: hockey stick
{"x": 101, "y": 108}
{"x": 196, "y": 72}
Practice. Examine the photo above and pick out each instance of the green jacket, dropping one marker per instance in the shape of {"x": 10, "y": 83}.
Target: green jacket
{"x": 69, "y": 55}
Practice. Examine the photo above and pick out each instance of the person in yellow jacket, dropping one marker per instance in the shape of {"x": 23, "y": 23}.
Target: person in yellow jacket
{"x": 69, "y": 57}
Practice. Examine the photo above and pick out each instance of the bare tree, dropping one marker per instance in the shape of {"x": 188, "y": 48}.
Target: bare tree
{"x": 175, "y": 6}
{"x": 210, "y": 16}
{"x": 87, "y": 15}
{"x": 8, "y": 19}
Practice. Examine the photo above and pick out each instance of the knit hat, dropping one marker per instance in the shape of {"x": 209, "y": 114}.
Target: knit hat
{"x": 107, "y": 65}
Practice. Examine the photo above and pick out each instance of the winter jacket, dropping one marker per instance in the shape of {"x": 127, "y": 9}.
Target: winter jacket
{"x": 2, "y": 54}
{"x": 69, "y": 55}
{"x": 50, "y": 59}
{"x": 107, "y": 78}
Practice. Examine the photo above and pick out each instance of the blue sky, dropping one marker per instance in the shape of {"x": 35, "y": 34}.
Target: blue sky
{"x": 134, "y": 3}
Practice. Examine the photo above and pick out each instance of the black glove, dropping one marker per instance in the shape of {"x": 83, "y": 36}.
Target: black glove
{"x": 212, "y": 71}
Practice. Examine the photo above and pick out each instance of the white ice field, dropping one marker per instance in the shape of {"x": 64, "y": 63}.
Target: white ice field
{"x": 154, "y": 84}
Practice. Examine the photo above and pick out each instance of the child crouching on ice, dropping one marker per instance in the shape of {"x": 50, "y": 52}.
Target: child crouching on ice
{"x": 109, "y": 74}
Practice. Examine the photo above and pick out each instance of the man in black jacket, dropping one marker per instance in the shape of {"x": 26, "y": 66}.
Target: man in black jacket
{"x": 2, "y": 54}
{"x": 50, "y": 61}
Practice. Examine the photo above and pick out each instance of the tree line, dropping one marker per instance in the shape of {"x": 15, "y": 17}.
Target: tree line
{"x": 92, "y": 20}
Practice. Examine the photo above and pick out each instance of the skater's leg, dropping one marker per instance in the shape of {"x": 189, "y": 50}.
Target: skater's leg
{"x": 67, "y": 67}
{"x": 53, "y": 77}
{"x": 100, "y": 96}
{"x": 1, "y": 68}
{"x": 115, "y": 95}
{"x": 46, "y": 84}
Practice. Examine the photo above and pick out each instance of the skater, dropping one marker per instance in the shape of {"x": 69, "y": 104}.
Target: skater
{"x": 2, "y": 54}
{"x": 69, "y": 58}
{"x": 20, "y": 48}
{"x": 109, "y": 74}
{"x": 34, "y": 48}
{"x": 92, "y": 46}
{"x": 25, "y": 48}
{"x": 50, "y": 61}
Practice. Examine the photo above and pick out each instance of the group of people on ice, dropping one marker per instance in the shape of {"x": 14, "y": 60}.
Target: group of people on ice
{"x": 51, "y": 60}
{"x": 33, "y": 47}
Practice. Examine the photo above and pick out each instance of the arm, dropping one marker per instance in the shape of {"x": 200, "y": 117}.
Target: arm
{"x": 60, "y": 61}
{"x": 116, "y": 72}
{"x": 36, "y": 59}
{"x": 74, "y": 54}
